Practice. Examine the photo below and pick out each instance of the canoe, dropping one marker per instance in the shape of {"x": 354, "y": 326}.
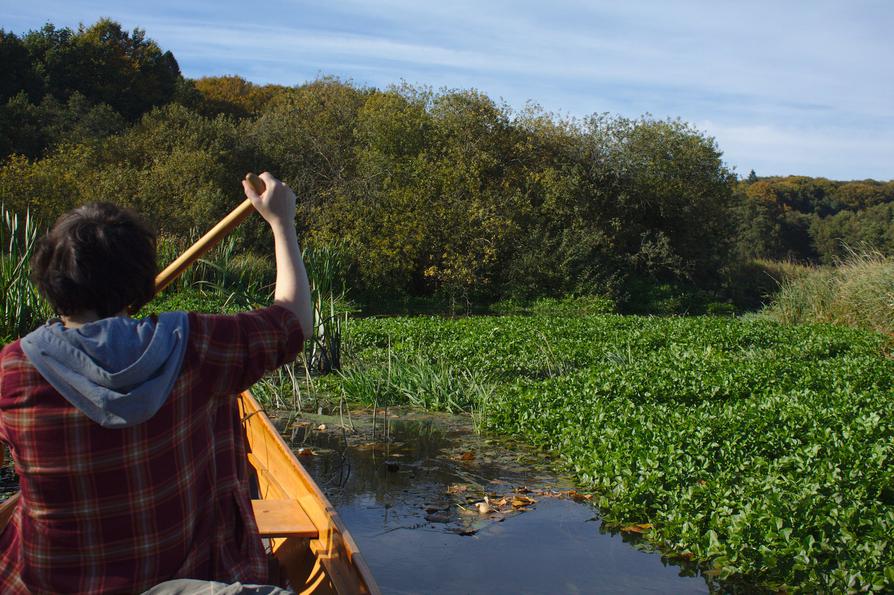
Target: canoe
{"x": 310, "y": 549}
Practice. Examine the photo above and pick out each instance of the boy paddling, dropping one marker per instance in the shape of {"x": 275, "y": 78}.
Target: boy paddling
{"x": 124, "y": 432}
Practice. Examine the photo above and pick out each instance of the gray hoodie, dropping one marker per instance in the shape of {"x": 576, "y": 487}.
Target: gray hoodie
{"x": 117, "y": 371}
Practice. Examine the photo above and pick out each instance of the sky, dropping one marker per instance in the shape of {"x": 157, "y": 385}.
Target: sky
{"x": 786, "y": 87}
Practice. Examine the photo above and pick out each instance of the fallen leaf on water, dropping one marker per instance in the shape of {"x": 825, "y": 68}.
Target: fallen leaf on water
{"x": 522, "y": 501}
{"x": 469, "y": 455}
{"x": 370, "y": 446}
{"x": 638, "y": 528}
{"x": 457, "y": 488}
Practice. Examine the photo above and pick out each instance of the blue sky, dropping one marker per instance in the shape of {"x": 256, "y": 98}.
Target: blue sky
{"x": 786, "y": 87}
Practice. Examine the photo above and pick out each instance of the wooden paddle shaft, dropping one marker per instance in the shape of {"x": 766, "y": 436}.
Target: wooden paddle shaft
{"x": 210, "y": 239}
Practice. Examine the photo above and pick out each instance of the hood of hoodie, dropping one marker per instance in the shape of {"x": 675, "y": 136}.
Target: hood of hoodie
{"x": 117, "y": 371}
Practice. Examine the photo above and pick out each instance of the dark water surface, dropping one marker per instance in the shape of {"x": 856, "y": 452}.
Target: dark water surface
{"x": 411, "y": 503}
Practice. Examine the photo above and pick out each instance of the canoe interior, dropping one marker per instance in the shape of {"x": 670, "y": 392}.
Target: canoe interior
{"x": 327, "y": 563}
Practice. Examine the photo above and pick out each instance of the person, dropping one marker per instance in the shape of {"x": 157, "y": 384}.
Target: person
{"x": 124, "y": 433}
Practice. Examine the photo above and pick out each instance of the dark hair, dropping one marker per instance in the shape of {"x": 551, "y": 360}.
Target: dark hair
{"x": 98, "y": 257}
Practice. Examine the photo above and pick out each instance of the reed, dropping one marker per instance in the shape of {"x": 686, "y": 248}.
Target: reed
{"x": 416, "y": 381}
{"x": 22, "y": 307}
{"x": 326, "y": 270}
{"x": 858, "y": 292}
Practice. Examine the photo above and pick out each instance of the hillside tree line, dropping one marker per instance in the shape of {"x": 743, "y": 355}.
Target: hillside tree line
{"x": 427, "y": 192}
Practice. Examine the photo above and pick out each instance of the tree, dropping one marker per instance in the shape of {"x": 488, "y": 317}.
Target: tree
{"x": 105, "y": 64}
{"x": 233, "y": 95}
{"x": 18, "y": 71}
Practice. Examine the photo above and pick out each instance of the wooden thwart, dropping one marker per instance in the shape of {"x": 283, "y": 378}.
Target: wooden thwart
{"x": 283, "y": 518}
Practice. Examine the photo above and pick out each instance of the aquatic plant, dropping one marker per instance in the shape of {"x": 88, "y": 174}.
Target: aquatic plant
{"x": 417, "y": 381}
{"x": 326, "y": 267}
{"x": 762, "y": 451}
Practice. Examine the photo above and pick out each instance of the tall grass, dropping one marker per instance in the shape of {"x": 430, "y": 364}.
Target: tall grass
{"x": 22, "y": 307}
{"x": 416, "y": 381}
{"x": 858, "y": 292}
{"x": 326, "y": 270}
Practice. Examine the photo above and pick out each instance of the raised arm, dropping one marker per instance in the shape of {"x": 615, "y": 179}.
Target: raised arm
{"x": 277, "y": 206}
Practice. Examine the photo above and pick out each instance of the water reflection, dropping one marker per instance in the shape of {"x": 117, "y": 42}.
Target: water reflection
{"x": 411, "y": 504}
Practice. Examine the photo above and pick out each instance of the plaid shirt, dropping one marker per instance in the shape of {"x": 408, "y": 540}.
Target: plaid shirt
{"x": 120, "y": 510}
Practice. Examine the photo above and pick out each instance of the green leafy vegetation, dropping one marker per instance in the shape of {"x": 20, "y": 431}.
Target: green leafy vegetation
{"x": 762, "y": 451}
{"x": 444, "y": 196}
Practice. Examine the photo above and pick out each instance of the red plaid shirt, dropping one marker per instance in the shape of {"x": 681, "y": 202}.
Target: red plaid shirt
{"x": 120, "y": 510}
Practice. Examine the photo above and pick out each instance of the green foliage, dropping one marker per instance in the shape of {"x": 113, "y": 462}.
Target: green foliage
{"x": 871, "y": 228}
{"x": 326, "y": 268}
{"x": 105, "y": 64}
{"x": 30, "y": 130}
{"x": 567, "y": 306}
{"x": 233, "y": 96}
{"x": 763, "y": 451}
{"x": 447, "y": 195}
{"x": 190, "y": 300}
{"x": 645, "y": 296}
{"x": 415, "y": 380}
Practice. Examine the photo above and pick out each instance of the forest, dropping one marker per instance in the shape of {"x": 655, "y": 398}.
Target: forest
{"x": 445, "y": 193}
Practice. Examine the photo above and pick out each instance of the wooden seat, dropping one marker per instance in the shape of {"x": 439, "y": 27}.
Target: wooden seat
{"x": 283, "y": 518}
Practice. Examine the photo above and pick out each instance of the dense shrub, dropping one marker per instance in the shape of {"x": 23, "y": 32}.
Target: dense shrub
{"x": 447, "y": 195}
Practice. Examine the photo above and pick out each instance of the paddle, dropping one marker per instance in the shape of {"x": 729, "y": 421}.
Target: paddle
{"x": 170, "y": 274}
{"x": 210, "y": 239}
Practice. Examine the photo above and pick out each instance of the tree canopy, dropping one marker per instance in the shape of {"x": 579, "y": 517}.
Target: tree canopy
{"x": 426, "y": 191}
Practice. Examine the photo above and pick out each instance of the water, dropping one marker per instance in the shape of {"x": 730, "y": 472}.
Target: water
{"x": 411, "y": 503}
